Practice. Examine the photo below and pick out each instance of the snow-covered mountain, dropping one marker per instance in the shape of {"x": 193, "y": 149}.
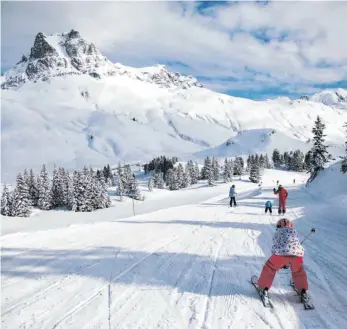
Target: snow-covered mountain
{"x": 337, "y": 98}
{"x": 67, "y": 104}
{"x": 69, "y": 54}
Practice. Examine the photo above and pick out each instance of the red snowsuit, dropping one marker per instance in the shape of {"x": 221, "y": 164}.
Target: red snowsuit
{"x": 282, "y": 198}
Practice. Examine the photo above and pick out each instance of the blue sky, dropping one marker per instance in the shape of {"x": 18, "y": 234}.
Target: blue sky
{"x": 249, "y": 49}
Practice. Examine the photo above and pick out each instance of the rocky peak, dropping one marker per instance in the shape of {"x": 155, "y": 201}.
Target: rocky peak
{"x": 68, "y": 53}
{"x": 42, "y": 48}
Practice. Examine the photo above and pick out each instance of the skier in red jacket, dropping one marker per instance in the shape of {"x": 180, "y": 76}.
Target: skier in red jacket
{"x": 282, "y": 198}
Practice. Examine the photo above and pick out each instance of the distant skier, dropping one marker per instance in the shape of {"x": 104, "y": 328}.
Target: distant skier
{"x": 268, "y": 207}
{"x": 282, "y": 199}
{"x": 232, "y": 195}
{"x": 278, "y": 182}
{"x": 294, "y": 180}
{"x": 286, "y": 250}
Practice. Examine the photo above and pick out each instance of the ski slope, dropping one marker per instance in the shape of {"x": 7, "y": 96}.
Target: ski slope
{"x": 180, "y": 267}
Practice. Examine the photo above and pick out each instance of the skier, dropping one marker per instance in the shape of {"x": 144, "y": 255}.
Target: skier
{"x": 286, "y": 250}
{"x": 268, "y": 206}
{"x": 294, "y": 180}
{"x": 232, "y": 195}
{"x": 282, "y": 198}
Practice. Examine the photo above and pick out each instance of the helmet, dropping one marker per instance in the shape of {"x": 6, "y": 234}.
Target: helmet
{"x": 280, "y": 186}
{"x": 233, "y": 186}
{"x": 284, "y": 222}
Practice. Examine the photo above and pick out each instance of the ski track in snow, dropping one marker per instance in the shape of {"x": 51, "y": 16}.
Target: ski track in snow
{"x": 184, "y": 267}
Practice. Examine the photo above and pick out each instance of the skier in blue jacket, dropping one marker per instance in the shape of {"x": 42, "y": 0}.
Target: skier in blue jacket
{"x": 232, "y": 196}
{"x": 268, "y": 206}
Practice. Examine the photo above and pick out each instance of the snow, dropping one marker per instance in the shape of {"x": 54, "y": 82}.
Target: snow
{"x": 51, "y": 121}
{"x": 180, "y": 266}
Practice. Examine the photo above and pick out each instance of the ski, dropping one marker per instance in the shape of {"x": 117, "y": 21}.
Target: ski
{"x": 265, "y": 299}
{"x": 308, "y": 304}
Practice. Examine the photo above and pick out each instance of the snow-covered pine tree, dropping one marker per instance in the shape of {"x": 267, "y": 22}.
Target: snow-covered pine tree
{"x": 102, "y": 197}
{"x": 186, "y": 181}
{"x": 6, "y": 201}
{"x": 297, "y": 161}
{"x": 180, "y": 174}
{"x": 134, "y": 188}
{"x": 77, "y": 200}
{"x": 158, "y": 180}
{"x": 68, "y": 183}
{"x": 120, "y": 181}
{"x": 320, "y": 155}
{"x": 267, "y": 162}
{"x": 196, "y": 177}
{"x": 215, "y": 169}
{"x": 344, "y": 161}
{"x": 254, "y": 175}
{"x": 57, "y": 193}
{"x": 238, "y": 165}
{"x": 191, "y": 172}
{"x": 127, "y": 179}
{"x": 150, "y": 184}
{"x": 226, "y": 171}
{"x": 45, "y": 197}
{"x": 21, "y": 205}
{"x": 33, "y": 188}
{"x": 206, "y": 168}
{"x": 262, "y": 161}
{"x": 231, "y": 169}
{"x": 249, "y": 160}
{"x": 276, "y": 158}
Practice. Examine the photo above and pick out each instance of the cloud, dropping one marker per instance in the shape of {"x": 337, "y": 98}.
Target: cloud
{"x": 260, "y": 46}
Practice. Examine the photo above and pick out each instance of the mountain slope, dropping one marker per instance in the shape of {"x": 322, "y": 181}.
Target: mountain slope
{"x": 91, "y": 111}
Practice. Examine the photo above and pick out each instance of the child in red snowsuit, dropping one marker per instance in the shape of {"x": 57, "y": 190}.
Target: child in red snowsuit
{"x": 286, "y": 250}
{"x": 282, "y": 198}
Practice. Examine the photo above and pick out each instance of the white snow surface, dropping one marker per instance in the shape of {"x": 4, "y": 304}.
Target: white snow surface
{"x": 67, "y": 104}
{"x": 185, "y": 266}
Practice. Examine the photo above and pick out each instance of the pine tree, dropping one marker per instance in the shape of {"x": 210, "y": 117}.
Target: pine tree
{"x": 297, "y": 161}
{"x": 320, "y": 155}
{"x": 45, "y": 197}
{"x": 127, "y": 179}
{"x": 33, "y": 188}
{"x": 102, "y": 199}
{"x": 191, "y": 172}
{"x": 344, "y": 161}
{"x": 150, "y": 184}
{"x": 249, "y": 160}
{"x": 254, "y": 175}
{"x": 120, "y": 181}
{"x": 276, "y": 158}
{"x": 20, "y": 205}
{"x": 226, "y": 171}
{"x": 215, "y": 169}
{"x": 6, "y": 202}
{"x": 134, "y": 188}
{"x": 262, "y": 161}
{"x": 68, "y": 182}
{"x": 158, "y": 180}
{"x": 196, "y": 177}
{"x": 58, "y": 195}
{"x": 267, "y": 162}
{"x": 180, "y": 174}
{"x": 238, "y": 165}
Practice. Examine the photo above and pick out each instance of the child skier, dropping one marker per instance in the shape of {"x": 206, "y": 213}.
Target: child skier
{"x": 232, "y": 196}
{"x": 268, "y": 207}
{"x": 286, "y": 250}
{"x": 282, "y": 199}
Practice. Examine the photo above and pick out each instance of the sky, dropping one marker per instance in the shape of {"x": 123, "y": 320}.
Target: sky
{"x": 250, "y": 49}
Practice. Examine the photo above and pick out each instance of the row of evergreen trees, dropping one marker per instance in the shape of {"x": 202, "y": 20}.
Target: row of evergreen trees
{"x": 160, "y": 164}
{"x": 85, "y": 190}
{"x": 293, "y": 160}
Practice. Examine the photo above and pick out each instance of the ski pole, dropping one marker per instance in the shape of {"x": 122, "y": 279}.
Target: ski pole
{"x": 312, "y": 231}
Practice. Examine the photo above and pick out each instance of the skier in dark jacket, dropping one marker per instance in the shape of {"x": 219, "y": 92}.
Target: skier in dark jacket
{"x": 232, "y": 196}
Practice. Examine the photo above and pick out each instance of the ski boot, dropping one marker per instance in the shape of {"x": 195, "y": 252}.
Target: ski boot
{"x": 304, "y": 297}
